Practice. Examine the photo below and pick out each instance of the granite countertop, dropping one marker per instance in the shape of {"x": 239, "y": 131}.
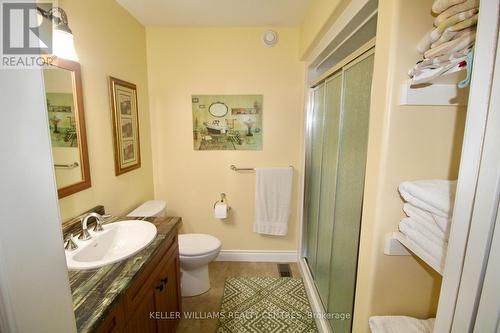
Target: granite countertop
{"x": 96, "y": 291}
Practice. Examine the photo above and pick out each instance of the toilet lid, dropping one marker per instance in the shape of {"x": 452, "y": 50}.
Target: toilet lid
{"x": 197, "y": 244}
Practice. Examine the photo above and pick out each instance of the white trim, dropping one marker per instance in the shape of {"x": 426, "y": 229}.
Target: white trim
{"x": 257, "y": 256}
{"x": 312, "y": 293}
{"x": 480, "y": 91}
{"x": 484, "y": 216}
{"x": 344, "y": 19}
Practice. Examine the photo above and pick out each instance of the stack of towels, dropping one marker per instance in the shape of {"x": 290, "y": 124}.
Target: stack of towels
{"x": 450, "y": 42}
{"x": 429, "y": 208}
{"x": 400, "y": 324}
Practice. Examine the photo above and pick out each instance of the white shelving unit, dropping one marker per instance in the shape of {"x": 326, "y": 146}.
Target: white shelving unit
{"x": 441, "y": 91}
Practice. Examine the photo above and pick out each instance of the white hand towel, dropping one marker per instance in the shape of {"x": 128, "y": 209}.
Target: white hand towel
{"x": 400, "y": 324}
{"x": 435, "y": 196}
{"x": 273, "y": 196}
{"x": 429, "y": 221}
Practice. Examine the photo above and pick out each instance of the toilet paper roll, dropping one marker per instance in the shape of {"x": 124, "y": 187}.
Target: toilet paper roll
{"x": 220, "y": 211}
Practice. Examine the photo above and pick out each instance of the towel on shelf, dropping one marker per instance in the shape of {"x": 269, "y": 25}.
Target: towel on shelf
{"x": 449, "y": 34}
{"x": 457, "y": 18}
{"x": 440, "y": 6}
{"x": 425, "y": 231}
{"x": 450, "y": 11}
{"x": 452, "y": 24}
{"x": 435, "y": 196}
{"x": 435, "y": 251}
{"x": 439, "y": 61}
{"x": 273, "y": 196}
{"x": 440, "y": 226}
{"x": 427, "y": 75}
{"x": 464, "y": 41}
{"x": 472, "y": 21}
{"x": 400, "y": 324}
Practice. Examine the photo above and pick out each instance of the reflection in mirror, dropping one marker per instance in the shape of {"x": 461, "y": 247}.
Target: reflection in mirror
{"x": 67, "y": 126}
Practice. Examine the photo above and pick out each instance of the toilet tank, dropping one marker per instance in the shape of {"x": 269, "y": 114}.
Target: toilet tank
{"x": 151, "y": 208}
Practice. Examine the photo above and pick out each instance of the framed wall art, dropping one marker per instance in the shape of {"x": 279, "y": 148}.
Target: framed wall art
{"x": 227, "y": 122}
{"x": 125, "y": 125}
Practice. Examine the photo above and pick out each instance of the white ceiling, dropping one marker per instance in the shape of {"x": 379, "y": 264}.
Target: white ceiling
{"x": 217, "y": 12}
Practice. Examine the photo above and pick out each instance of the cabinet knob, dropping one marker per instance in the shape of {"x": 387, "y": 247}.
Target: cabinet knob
{"x": 160, "y": 287}
{"x": 164, "y": 280}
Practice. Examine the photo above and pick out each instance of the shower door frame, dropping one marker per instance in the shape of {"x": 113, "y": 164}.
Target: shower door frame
{"x": 355, "y": 57}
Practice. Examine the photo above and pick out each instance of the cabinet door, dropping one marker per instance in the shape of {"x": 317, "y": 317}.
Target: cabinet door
{"x": 140, "y": 320}
{"x": 114, "y": 321}
{"x": 167, "y": 299}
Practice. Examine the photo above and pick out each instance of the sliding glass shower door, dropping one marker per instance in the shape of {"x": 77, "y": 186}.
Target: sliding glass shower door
{"x": 338, "y": 138}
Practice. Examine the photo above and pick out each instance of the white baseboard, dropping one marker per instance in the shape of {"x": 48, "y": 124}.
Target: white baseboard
{"x": 257, "y": 256}
{"x": 312, "y": 293}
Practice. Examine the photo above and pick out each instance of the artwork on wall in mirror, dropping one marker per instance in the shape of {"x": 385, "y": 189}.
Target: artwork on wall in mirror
{"x": 227, "y": 122}
{"x": 125, "y": 126}
{"x": 61, "y": 113}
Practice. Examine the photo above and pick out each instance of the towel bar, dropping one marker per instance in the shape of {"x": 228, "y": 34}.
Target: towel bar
{"x": 67, "y": 166}
{"x": 234, "y": 168}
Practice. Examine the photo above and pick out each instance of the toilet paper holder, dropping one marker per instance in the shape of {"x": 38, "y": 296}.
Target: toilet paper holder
{"x": 222, "y": 200}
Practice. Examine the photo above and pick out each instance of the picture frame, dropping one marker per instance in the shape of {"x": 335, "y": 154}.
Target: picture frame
{"x": 125, "y": 118}
{"x": 227, "y": 122}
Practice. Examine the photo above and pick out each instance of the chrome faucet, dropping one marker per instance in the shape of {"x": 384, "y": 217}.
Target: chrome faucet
{"x": 85, "y": 235}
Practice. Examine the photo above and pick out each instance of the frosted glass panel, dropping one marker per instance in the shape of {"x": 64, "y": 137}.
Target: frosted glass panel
{"x": 349, "y": 192}
{"x": 314, "y": 181}
{"x": 333, "y": 89}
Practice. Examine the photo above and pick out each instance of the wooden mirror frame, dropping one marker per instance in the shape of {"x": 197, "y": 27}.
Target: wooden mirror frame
{"x": 74, "y": 67}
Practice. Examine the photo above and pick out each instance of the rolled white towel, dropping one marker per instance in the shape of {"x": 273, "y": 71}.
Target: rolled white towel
{"x": 435, "y": 196}
{"x": 440, "y": 6}
{"x": 400, "y": 324}
{"x": 434, "y": 250}
{"x": 439, "y": 226}
{"x": 461, "y": 7}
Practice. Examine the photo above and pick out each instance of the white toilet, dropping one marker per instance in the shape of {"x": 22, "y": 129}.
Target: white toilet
{"x": 151, "y": 208}
{"x": 196, "y": 251}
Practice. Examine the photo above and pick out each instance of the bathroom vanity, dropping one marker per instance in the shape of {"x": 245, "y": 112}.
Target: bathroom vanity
{"x": 139, "y": 294}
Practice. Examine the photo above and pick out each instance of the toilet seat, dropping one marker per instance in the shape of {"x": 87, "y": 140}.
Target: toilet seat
{"x": 191, "y": 245}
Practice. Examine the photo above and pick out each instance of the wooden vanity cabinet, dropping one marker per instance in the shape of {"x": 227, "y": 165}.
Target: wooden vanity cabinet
{"x": 153, "y": 302}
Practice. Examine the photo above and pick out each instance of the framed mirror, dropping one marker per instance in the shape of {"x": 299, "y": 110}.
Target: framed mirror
{"x": 218, "y": 109}
{"x": 64, "y": 97}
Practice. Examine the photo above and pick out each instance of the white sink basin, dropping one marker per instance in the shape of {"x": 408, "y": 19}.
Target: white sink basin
{"x": 118, "y": 241}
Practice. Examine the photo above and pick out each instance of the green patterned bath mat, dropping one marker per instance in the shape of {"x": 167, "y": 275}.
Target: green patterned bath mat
{"x": 265, "y": 305}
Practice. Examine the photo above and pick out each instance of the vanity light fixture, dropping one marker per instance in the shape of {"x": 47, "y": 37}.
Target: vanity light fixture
{"x": 62, "y": 38}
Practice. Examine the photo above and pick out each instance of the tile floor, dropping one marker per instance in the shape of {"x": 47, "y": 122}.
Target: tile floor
{"x": 211, "y": 300}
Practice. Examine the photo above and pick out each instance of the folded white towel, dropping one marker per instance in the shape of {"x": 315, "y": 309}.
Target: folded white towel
{"x": 273, "y": 196}
{"x": 400, "y": 324}
{"x": 426, "y": 232}
{"x": 436, "y": 251}
{"x": 435, "y": 196}
{"x": 439, "y": 226}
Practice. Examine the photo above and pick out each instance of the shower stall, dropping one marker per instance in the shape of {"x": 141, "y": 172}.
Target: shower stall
{"x": 336, "y": 149}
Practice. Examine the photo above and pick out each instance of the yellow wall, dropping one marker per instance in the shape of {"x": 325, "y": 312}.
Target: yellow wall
{"x": 405, "y": 143}
{"x": 109, "y": 42}
{"x": 319, "y": 16}
{"x": 186, "y": 61}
